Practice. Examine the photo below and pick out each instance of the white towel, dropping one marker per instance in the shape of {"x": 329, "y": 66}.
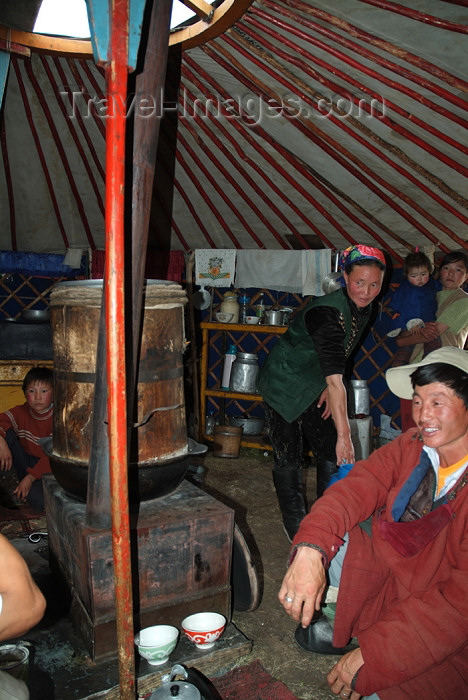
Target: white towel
{"x": 215, "y": 267}
{"x": 294, "y": 271}
{"x": 316, "y": 264}
{"x": 280, "y": 270}
{"x": 73, "y": 258}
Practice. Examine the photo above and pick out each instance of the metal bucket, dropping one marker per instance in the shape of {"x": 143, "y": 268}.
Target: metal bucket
{"x": 227, "y": 441}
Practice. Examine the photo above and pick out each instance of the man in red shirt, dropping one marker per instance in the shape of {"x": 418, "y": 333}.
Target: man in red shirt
{"x": 22, "y": 460}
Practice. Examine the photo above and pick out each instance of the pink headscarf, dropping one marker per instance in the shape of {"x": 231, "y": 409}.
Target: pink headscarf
{"x": 360, "y": 252}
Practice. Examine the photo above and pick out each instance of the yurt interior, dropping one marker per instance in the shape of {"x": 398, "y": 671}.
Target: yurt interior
{"x": 176, "y": 185}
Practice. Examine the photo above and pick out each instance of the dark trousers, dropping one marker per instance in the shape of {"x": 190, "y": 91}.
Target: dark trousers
{"x": 21, "y": 462}
{"x": 290, "y": 439}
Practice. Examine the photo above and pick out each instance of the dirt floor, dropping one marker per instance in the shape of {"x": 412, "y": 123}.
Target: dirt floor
{"x": 245, "y": 484}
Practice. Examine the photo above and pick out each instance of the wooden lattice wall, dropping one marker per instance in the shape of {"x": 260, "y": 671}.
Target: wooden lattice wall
{"x": 19, "y": 292}
{"x": 371, "y": 360}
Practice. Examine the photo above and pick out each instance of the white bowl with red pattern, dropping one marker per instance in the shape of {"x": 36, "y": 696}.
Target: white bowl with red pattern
{"x": 204, "y": 628}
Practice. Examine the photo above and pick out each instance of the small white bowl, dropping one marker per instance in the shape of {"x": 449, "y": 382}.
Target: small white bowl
{"x": 223, "y": 317}
{"x": 204, "y": 629}
{"x": 156, "y": 644}
{"x": 252, "y": 320}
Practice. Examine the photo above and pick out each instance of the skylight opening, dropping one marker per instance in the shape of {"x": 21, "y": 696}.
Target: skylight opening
{"x": 60, "y": 18}
{"x": 70, "y": 18}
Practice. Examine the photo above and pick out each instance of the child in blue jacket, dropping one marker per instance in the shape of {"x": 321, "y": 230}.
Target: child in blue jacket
{"x": 414, "y": 303}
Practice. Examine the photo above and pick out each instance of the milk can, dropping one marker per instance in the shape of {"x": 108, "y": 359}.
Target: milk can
{"x": 244, "y": 373}
{"x": 359, "y": 399}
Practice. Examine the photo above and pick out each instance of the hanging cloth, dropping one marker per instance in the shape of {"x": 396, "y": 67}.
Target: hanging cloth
{"x": 316, "y": 265}
{"x": 279, "y": 270}
{"x": 215, "y": 267}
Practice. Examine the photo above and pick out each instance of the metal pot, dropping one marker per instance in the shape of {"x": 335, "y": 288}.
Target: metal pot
{"x": 36, "y": 315}
{"x": 194, "y": 686}
{"x": 331, "y": 282}
{"x": 250, "y": 425}
{"x": 201, "y": 299}
{"x": 274, "y": 317}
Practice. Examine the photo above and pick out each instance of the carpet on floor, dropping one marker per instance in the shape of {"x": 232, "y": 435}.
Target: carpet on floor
{"x": 21, "y": 521}
{"x": 251, "y": 682}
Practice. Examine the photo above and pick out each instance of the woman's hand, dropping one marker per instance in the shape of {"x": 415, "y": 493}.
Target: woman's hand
{"x": 344, "y": 450}
{"x": 430, "y": 331}
{"x": 24, "y": 486}
{"x": 338, "y": 403}
{"x": 340, "y": 677}
{"x": 302, "y": 590}
{"x": 323, "y": 399}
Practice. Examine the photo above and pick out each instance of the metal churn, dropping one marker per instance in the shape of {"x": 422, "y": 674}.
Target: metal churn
{"x": 359, "y": 398}
{"x": 244, "y": 373}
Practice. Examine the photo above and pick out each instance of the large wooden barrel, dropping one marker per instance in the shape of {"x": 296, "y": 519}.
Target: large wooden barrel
{"x": 159, "y": 437}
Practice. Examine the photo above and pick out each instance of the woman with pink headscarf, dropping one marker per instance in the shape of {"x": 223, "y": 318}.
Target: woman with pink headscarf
{"x": 302, "y": 384}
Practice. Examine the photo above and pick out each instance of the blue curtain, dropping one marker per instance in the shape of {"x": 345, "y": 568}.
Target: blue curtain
{"x": 40, "y": 264}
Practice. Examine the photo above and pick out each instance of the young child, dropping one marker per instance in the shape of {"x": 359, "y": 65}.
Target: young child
{"x": 22, "y": 460}
{"x": 414, "y": 303}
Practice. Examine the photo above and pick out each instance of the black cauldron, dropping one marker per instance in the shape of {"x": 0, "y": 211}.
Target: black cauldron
{"x": 146, "y": 480}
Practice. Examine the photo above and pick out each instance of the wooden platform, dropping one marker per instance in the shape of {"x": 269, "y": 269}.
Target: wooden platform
{"x": 62, "y": 669}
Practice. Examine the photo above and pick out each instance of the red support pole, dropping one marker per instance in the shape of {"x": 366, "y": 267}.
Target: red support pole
{"x": 115, "y": 345}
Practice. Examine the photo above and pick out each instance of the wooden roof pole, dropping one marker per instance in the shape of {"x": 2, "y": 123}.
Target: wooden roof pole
{"x": 150, "y": 81}
{"x": 116, "y": 71}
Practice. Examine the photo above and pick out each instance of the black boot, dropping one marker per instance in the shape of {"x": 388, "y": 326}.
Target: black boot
{"x": 8, "y": 483}
{"x": 318, "y": 638}
{"x": 325, "y": 470}
{"x": 288, "y": 485}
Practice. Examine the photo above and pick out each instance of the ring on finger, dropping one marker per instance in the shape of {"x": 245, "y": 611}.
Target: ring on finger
{"x": 344, "y": 695}
{"x": 287, "y": 599}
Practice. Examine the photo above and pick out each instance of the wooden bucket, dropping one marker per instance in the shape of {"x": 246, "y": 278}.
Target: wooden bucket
{"x": 227, "y": 441}
{"x": 75, "y": 312}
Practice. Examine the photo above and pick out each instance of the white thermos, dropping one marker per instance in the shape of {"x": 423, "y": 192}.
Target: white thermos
{"x": 228, "y": 361}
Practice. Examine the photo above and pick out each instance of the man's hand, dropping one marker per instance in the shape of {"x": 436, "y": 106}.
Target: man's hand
{"x": 302, "y": 590}
{"x": 340, "y": 677}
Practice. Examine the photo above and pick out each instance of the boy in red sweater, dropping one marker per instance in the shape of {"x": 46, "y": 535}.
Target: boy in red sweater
{"x": 22, "y": 459}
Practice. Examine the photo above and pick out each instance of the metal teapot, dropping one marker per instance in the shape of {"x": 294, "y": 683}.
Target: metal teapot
{"x": 274, "y": 317}
{"x": 194, "y": 686}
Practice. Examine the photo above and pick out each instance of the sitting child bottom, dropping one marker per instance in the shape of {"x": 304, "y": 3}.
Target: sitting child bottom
{"x": 21, "y": 462}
